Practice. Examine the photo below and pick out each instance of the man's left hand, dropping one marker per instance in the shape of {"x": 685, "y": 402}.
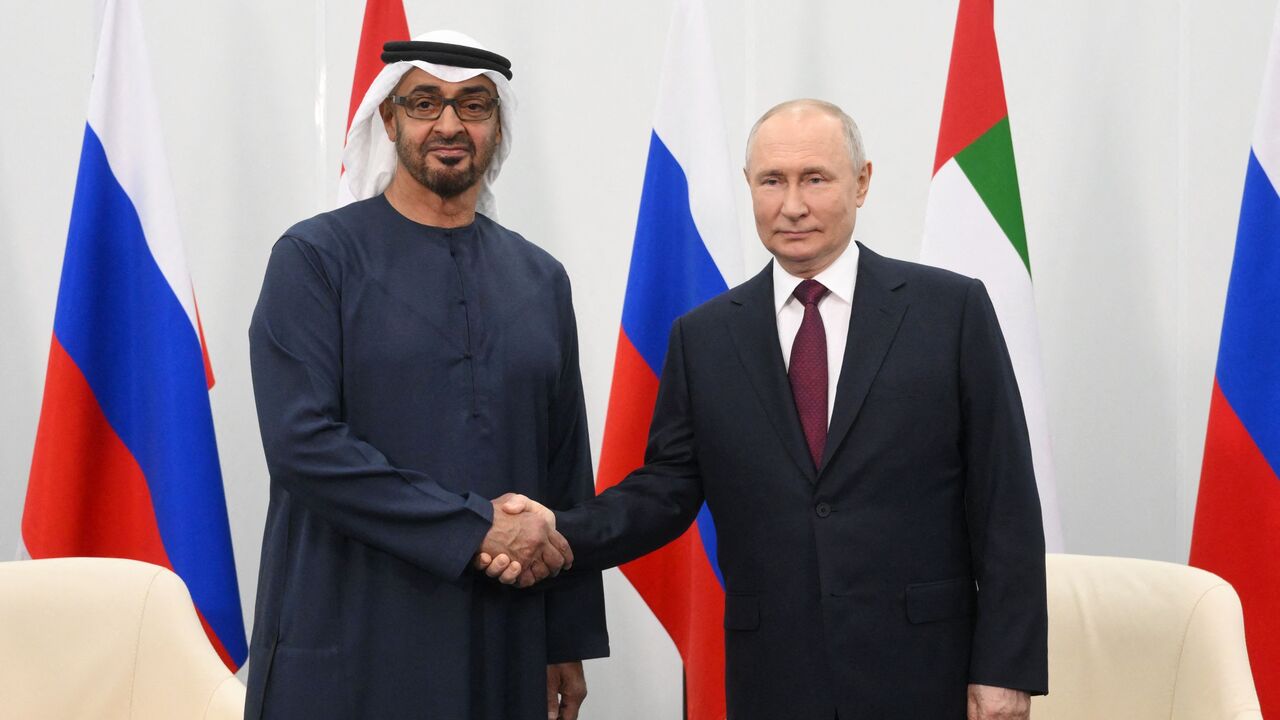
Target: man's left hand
{"x": 554, "y": 557}
{"x": 566, "y": 689}
{"x": 508, "y": 570}
{"x": 996, "y": 703}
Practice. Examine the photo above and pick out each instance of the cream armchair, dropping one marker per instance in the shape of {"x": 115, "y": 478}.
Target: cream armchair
{"x": 105, "y": 639}
{"x": 1134, "y": 639}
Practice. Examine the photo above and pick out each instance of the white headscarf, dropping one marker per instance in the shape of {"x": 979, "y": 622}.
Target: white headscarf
{"x": 370, "y": 156}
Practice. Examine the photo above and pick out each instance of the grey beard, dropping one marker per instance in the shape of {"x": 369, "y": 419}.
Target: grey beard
{"x": 446, "y": 182}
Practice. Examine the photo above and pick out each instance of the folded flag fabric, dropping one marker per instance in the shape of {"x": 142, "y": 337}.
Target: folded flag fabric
{"x": 686, "y": 251}
{"x": 973, "y": 223}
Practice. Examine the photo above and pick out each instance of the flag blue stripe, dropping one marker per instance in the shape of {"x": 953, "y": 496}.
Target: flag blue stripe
{"x": 1249, "y": 354}
{"x": 121, "y": 323}
{"x": 710, "y": 541}
{"x": 671, "y": 270}
{"x": 671, "y": 273}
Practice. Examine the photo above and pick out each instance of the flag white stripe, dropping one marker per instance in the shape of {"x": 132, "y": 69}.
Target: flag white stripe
{"x": 124, "y": 114}
{"x": 961, "y": 235}
{"x": 687, "y": 115}
{"x": 1266, "y": 132}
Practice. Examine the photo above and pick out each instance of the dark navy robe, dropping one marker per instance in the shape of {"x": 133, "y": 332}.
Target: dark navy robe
{"x": 404, "y": 376}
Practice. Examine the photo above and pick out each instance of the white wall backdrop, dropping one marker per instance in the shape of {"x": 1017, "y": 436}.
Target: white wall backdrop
{"x": 1131, "y": 124}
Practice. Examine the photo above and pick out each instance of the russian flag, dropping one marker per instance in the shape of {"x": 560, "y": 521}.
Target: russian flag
{"x": 686, "y": 251}
{"x": 1237, "y": 523}
{"x": 125, "y": 461}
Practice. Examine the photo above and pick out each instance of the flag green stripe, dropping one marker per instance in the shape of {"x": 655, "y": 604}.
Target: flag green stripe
{"x": 988, "y": 163}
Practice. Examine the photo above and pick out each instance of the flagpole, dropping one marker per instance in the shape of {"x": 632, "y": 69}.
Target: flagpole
{"x": 321, "y": 174}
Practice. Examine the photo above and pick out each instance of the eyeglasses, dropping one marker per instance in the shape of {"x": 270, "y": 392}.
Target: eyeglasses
{"x": 426, "y": 106}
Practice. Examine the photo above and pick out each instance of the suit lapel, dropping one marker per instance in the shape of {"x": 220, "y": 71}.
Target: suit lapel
{"x": 874, "y": 318}
{"x": 754, "y": 327}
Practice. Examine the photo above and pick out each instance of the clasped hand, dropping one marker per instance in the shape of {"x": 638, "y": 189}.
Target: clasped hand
{"x": 523, "y": 545}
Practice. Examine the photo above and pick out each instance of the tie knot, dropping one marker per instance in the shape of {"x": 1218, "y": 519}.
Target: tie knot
{"x": 810, "y": 291}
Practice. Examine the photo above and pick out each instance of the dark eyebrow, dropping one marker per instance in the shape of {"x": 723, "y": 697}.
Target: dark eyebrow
{"x": 436, "y": 89}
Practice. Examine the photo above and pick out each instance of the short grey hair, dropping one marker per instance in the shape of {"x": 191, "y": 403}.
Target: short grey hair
{"x": 852, "y": 136}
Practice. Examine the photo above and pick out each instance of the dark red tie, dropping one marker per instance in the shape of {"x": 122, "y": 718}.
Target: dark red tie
{"x": 808, "y": 370}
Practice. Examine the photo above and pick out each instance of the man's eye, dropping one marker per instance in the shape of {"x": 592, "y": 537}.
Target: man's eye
{"x": 424, "y": 103}
{"x": 476, "y": 105}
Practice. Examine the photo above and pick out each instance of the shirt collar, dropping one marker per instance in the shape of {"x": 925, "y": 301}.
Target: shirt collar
{"x": 839, "y": 278}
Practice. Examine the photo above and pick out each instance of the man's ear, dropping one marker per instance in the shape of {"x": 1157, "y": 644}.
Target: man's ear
{"x": 864, "y": 183}
{"x": 388, "y": 114}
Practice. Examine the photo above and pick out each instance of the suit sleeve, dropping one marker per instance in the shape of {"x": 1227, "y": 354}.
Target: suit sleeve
{"x": 1006, "y": 533}
{"x": 576, "y": 628}
{"x": 657, "y": 502}
{"x": 296, "y": 360}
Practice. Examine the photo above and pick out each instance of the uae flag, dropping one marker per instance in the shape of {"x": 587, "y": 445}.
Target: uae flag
{"x": 973, "y": 224}
{"x": 384, "y": 21}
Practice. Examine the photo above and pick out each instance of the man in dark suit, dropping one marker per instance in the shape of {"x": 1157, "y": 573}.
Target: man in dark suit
{"x": 854, "y": 425}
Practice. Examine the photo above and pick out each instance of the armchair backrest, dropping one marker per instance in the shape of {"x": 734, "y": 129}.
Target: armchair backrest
{"x": 106, "y": 638}
{"x": 1140, "y": 639}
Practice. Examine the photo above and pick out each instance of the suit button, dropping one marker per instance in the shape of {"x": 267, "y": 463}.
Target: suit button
{"x": 822, "y": 509}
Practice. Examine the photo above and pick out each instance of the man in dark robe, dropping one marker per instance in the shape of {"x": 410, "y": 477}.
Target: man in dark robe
{"x": 413, "y": 361}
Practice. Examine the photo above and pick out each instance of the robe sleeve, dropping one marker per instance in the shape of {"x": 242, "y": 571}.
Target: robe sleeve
{"x": 1006, "y": 534}
{"x": 576, "y": 628}
{"x": 655, "y": 503}
{"x": 295, "y": 347}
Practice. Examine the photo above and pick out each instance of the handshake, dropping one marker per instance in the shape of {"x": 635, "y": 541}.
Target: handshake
{"x": 523, "y": 545}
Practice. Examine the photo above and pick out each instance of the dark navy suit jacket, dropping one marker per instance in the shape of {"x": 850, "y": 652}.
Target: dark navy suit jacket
{"x": 911, "y": 564}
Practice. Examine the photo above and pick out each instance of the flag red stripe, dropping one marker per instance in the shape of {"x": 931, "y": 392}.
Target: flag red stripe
{"x": 974, "y": 98}
{"x": 634, "y": 390}
{"x": 674, "y": 581}
{"x": 1237, "y": 536}
{"x": 384, "y": 20}
{"x": 204, "y": 347}
{"x": 217, "y": 642}
{"x": 677, "y": 581}
{"x": 87, "y": 495}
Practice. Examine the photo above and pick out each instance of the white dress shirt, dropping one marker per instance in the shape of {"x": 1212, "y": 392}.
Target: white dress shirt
{"x": 834, "y": 307}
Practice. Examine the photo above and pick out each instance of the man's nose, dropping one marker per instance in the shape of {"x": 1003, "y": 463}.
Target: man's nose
{"x": 793, "y": 204}
{"x": 448, "y": 124}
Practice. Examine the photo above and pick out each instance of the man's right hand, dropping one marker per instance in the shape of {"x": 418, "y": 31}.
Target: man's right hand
{"x": 523, "y": 546}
